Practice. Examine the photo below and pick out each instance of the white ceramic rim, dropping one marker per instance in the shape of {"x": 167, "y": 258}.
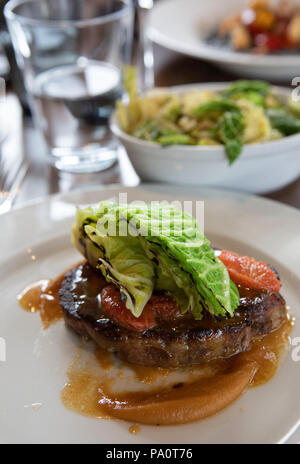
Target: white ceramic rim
{"x": 211, "y": 152}
{"x": 213, "y": 54}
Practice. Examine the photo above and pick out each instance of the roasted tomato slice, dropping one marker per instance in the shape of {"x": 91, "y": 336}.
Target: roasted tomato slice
{"x": 243, "y": 271}
{"x": 248, "y": 272}
{"x": 157, "y": 309}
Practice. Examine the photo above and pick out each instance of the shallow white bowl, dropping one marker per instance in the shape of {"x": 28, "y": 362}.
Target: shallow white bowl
{"x": 183, "y": 26}
{"x": 261, "y": 168}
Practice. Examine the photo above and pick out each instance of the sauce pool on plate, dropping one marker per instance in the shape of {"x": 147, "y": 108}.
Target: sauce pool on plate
{"x": 43, "y": 296}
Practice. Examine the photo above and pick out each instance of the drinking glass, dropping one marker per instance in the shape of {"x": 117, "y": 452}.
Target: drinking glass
{"x": 71, "y": 54}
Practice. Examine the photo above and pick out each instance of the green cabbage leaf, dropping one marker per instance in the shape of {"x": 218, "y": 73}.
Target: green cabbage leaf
{"x": 142, "y": 248}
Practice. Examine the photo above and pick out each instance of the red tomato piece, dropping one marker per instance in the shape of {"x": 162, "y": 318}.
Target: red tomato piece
{"x": 248, "y": 272}
{"x": 158, "y": 308}
{"x": 259, "y": 20}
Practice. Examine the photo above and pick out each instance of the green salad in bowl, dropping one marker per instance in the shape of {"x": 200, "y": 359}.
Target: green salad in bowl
{"x": 245, "y": 112}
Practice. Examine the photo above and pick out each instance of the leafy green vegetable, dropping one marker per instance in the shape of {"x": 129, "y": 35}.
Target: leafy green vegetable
{"x": 234, "y": 148}
{"x": 234, "y": 295}
{"x": 175, "y": 139}
{"x": 148, "y": 131}
{"x": 255, "y": 91}
{"x": 229, "y": 126}
{"x": 254, "y": 97}
{"x": 229, "y": 130}
{"x": 285, "y": 122}
{"x": 153, "y": 131}
{"x": 246, "y": 86}
{"x": 215, "y": 106}
{"x": 125, "y": 264}
{"x": 141, "y": 248}
{"x": 161, "y": 133}
{"x": 122, "y": 260}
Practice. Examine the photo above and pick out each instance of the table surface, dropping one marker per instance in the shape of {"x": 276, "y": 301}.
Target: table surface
{"x": 42, "y": 179}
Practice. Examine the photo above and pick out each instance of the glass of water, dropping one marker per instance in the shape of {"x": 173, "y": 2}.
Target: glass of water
{"x": 71, "y": 53}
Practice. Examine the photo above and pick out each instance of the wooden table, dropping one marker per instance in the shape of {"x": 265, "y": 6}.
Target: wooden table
{"x": 171, "y": 69}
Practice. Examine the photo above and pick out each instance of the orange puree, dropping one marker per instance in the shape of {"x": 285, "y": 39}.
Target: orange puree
{"x": 189, "y": 403}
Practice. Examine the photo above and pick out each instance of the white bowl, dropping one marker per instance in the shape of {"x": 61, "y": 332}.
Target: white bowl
{"x": 190, "y": 24}
{"x": 261, "y": 168}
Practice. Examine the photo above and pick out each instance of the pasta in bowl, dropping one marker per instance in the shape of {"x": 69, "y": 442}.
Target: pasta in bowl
{"x": 242, "y": 135}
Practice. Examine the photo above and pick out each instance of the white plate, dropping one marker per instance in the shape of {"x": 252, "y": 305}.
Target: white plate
{"x": 37, "y": 361}
{"x": 182, "y": 26}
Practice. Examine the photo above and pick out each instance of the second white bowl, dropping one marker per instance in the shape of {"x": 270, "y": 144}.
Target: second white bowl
{"x": 261, "y": 168}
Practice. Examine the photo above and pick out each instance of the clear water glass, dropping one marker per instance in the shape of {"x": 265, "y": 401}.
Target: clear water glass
{"x": 71, "y": 54}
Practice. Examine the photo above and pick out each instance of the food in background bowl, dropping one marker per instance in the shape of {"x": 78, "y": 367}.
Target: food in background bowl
{"x": 261, "y": 28}
{"x": 245, "y": 112}
{"x": 262, "y": 167}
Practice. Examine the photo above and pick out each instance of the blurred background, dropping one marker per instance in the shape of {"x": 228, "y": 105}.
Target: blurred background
{"x": 25, "y": 170}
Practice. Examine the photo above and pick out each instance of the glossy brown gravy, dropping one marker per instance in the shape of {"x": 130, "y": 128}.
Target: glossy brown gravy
{"x": 224, "y": 380}
{"x": 134, "y": 429}
{"x": 43, "y": 296}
